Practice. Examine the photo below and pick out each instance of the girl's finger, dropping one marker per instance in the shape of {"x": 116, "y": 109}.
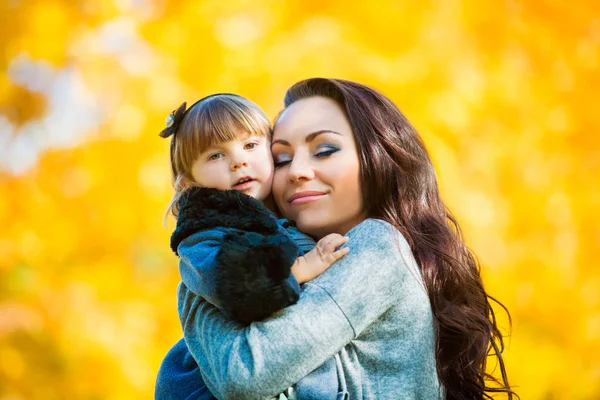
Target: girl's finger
{"x": 336, "y": 255}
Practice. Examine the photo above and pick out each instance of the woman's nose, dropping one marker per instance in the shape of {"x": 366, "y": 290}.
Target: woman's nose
{"x": 300, "y": 169}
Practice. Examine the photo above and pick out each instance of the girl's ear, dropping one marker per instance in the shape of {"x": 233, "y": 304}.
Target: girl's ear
{"x": 184, "y": 182}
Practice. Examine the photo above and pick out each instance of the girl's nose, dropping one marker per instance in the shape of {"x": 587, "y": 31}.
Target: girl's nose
{"x": 238, "y": 161}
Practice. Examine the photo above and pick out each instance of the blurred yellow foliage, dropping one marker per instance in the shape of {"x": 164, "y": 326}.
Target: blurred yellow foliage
{"x": 503, "y": 93}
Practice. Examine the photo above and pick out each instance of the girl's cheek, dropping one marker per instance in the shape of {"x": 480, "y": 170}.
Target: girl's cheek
{"x": 268, "y": 153}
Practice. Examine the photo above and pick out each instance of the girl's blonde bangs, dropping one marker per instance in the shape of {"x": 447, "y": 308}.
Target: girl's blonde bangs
{"x": 220, "y": 119}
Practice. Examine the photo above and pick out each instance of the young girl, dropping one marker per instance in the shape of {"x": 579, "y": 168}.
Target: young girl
{"x": 233, "y": 251}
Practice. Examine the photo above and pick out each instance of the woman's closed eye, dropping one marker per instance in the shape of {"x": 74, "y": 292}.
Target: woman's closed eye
{"x": 326, "y": 151}
{"x": 281, "y": 159}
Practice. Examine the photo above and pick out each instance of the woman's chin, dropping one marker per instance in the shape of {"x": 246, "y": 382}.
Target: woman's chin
{"x": 320, "y": 224}
{"x": 313, "y": 228}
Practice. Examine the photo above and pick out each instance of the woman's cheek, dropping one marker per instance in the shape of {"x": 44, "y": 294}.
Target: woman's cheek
{"x": 279, "y": 188}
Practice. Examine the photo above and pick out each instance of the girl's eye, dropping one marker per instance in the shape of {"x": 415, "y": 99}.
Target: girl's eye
{"x": 250, "y": 146}
{"x": 327, "y": 151}
{"x": 215, "y": 156}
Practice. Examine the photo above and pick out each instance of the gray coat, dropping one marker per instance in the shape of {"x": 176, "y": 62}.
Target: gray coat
{"x": 370, "y": 309}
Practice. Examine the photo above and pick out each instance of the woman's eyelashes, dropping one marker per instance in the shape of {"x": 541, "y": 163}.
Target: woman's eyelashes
{"x": 281, "y": 160}
{"x": 326, "y": 150}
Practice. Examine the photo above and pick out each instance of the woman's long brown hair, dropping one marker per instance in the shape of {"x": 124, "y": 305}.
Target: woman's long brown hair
{"x": 399, "y": 186}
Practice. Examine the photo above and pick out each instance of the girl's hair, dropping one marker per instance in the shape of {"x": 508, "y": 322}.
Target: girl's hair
{"x": 399, "y": 186}
{"x": 211, "y": 120}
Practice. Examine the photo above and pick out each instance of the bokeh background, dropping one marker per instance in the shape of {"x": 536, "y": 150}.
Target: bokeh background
{"x": 504, "y": 93}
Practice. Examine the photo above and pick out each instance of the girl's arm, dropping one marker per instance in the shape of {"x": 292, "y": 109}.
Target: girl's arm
{"x": 245, "y": 275}
{"x": 234, "y": 254}
{"x": 266, "y": 357}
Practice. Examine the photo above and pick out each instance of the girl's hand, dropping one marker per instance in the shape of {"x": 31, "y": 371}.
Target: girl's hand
{"x": 315, "y": 262}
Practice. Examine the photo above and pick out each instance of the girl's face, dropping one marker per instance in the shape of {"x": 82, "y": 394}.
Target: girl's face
{"x": 317, "y": 171}
{"x": 243, "y": 164}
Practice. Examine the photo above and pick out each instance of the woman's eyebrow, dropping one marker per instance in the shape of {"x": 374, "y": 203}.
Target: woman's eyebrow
{"x": 280, "y": 141}
{"x": 309, "y": 138}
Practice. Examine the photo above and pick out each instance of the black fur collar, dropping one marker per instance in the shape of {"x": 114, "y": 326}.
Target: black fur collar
{"x": 205, "y": 208}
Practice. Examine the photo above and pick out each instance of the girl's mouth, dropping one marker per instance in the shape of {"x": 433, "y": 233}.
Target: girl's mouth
{"x": 244, "y": 183}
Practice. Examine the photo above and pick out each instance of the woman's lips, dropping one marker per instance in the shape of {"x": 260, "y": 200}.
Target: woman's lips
{"x": 305, "y": 197}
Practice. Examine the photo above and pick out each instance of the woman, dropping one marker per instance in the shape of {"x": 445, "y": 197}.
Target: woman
{"x": 405, "y": 310}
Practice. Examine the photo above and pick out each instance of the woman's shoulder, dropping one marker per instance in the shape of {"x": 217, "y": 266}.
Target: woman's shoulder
{"x": 377, "y": 231}
{"x": 379, "y": 237}
{"x": 373, "y": 223}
